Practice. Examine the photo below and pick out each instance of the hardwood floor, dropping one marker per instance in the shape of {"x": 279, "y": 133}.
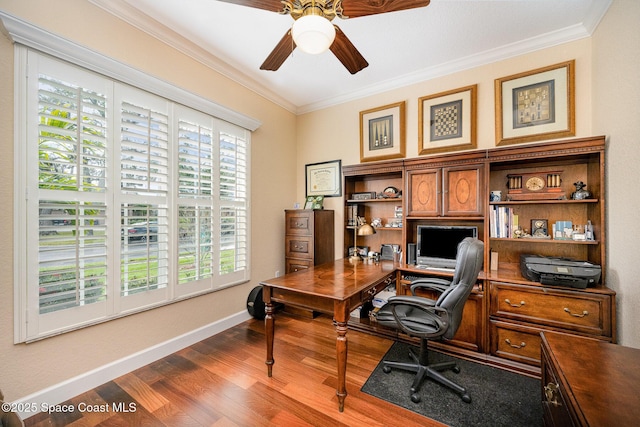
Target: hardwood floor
{"x": 222, "y": 381}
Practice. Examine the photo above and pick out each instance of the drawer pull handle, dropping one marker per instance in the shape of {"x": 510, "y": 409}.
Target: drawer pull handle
{"x": 522, "y": 344}
{"x": 372, "y": 291}
{"x": 514, "y": 305}
{"x": 584, "y": 313}
{"x": 551, "y": 393}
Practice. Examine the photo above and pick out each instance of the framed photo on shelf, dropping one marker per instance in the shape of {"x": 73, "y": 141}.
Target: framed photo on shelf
{"x": 382, "y": 133}
{"x": 362, "y": 251}
{"x": 536, "y": 105}
{"x": 447, "y": 121}
{"x": 314, "y": 202}
{"x": 324, "y": 179}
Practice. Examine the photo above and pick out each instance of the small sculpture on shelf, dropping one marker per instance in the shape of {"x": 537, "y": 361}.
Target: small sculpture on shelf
{"x": 519, "y": 232}
{"x": 580, "y": 193}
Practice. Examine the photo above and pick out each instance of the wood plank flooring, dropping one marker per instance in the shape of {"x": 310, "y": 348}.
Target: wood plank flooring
{"x": 222, "y": 381}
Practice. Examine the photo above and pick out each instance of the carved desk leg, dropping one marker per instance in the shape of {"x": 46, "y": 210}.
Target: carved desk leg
{"x": 269, "y": 327}
{"x": 340, "y": 322}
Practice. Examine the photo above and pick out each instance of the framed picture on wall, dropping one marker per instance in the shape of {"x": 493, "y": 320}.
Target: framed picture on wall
{"x": 447, "y": 121}
{"x": 536, "y": 105}
{"x": 324, "y": 179}
{"x": 382, "y": 133}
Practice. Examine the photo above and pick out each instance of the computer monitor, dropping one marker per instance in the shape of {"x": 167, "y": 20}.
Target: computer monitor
{"x": 437, "y": 245}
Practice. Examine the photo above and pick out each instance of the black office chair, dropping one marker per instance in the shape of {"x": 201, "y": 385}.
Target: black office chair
{"x": 428, "y": 319}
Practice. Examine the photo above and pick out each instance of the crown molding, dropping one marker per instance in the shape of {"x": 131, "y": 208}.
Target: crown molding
{"x": 487, "y": 57}
{"x": 146, "y": 24}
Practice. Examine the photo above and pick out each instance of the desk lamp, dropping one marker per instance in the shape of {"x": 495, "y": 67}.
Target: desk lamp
{"x": 359, "y": 230}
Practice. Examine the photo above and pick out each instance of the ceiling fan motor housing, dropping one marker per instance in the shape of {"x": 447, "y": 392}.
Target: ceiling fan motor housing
{"x": 328, "y": 9}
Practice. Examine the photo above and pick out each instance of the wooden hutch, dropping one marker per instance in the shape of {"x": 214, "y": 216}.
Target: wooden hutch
{"x": 506, "y": 312}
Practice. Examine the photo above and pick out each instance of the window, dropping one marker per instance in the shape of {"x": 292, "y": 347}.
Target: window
{"x": 132, "y": 200}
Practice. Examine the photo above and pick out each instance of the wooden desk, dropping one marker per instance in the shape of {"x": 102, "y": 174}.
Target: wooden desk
{"x": 335, "y": 288}
{"x": 587, "y": 382}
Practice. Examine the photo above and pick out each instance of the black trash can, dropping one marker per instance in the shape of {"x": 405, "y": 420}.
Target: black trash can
{"x": 255, "y": 304}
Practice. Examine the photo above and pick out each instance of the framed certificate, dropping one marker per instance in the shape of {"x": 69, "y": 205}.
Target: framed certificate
{"x": 324, "y": 179}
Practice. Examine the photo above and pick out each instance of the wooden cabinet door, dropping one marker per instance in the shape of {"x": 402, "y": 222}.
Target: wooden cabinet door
{"x": 425, "y": 194}
{"x": 463, "y": 195}
{"x": 470, "y": 333}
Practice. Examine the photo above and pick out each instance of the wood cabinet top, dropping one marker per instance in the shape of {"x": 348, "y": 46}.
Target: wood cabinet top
{"x": 602, "y": 380}
{"x": 496, "y": 154}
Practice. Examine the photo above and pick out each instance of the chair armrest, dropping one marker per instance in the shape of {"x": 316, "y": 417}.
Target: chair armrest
{"x": 438, "y": 315}
{"x": 415, "y": 301}
{"x": 432, "y": 283}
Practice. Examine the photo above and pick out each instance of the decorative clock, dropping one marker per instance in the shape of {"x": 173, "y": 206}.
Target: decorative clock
{"x": 543, "y": 185}
{"x": 390, "y": 193}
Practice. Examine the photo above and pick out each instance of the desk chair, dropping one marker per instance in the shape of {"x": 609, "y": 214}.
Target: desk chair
{"x": 428, "y": 319}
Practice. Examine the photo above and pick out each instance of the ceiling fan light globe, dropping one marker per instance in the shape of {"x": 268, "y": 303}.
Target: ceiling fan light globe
{"x": 313, "y": 34}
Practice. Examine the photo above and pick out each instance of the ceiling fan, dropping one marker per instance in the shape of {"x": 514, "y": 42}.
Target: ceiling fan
{"x": 317, "y": 15}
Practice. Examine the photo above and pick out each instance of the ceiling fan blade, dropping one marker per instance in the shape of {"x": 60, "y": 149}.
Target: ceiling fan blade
{"x": 356, "y": 8}
{"x": 270, "y": 5}
{"x": 347, "y": 53}
{"x": 280, "y": 53}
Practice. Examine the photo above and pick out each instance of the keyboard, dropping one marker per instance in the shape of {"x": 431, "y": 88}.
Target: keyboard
{"x": 428, "y": 267}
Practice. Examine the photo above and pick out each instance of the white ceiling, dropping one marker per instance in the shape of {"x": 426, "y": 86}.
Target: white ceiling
{"x": 401, "y": 47}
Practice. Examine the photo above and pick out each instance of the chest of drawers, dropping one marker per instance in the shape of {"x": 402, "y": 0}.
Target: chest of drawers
{"x": 518, "y": 313}
{"x": 309, "y": 238}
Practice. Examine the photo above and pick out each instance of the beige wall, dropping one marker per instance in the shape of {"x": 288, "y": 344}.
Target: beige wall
{"x": 616, "y": 97}
{"x": 607, "y": 90}
{"x": 27, "y": 368}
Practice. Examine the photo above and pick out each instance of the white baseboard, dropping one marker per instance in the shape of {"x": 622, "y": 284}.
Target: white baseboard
{"x": 43, "y": 399}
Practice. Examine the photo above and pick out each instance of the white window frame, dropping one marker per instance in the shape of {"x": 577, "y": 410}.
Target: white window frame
{"x": 27, "y": 36}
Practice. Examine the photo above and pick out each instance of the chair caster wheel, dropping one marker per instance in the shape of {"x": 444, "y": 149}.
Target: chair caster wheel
{"x": 416, "y": 398}
{"x": 456, "y": 369}
{"x": 386, "y": 369}
{"x": 466, "y": 398}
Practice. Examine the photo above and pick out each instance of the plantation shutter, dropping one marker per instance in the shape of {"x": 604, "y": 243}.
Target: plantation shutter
{"x": 234, "y": 204}
{"x": 68, "y": 208}
{"x": 143, "y": 141}
{"x": 125, "y": 200}
{"x": 197, "y": 177}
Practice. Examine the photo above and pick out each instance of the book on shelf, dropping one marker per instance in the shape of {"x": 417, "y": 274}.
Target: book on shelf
{"x": 503, "y": 222}
{"x": 353, "y": 212}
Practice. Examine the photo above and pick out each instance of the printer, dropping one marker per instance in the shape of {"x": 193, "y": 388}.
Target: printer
{"x": 559, "y": 271}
